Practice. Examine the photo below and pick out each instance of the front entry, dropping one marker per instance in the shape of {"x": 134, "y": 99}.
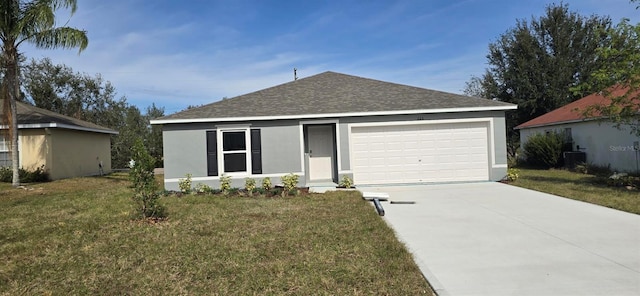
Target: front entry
{"x": 320, "y": 152}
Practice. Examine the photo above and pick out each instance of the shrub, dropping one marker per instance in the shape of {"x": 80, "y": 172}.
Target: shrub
{"x": 144, "y": 184}
{"x": 26, "y": 176}
{"x": 266, "y": 184}
{"x": 203, "y": 188}
{"x": 512, "y": 175}
{"x": 346, "y": 182}
{"x": 620, "y": 179}
{"x": 249, "y": 185}
{"x": 225, "y": 184}
{"x": 544, "y": 150}
{"x": 289, "y": 182}
{"x": 185, "y": 184}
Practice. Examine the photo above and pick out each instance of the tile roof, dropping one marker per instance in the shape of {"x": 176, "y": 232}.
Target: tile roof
{"x": 573, "y": 111}
{"x": 332, "y": 93}
{"x": 31, "y": 115}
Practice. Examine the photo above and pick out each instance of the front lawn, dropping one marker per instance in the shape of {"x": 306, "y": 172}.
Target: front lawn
{"x": 75, "y": 237}
{"x": 582, "y": 187}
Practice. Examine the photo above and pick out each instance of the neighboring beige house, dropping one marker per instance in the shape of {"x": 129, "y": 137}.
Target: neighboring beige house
{"x": 65, "y": 146}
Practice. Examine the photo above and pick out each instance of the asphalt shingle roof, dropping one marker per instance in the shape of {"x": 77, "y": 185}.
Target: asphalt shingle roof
{"x": 332, "y": 93}
{"x": 573, "y": 111}
{"x": 28, "y": 114}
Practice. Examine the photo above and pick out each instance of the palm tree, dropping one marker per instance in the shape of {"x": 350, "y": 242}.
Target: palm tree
{"x": 33, "y": 22}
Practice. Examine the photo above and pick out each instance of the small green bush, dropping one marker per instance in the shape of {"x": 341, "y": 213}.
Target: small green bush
{"x": 346, "y": 182}
{"x": 185, "y": 184}
{"x": 225, "y": 184}
{"x": 289, "y": 182}
{"x": 144, "y": 184}
{"x": 544, "y": 150}
{"x": 249, "y": 185}
{"x": 275, "y": 191}
{"x": 512, "y": 175}
{"x": 203, "y": 188}
{"x": 266, "y": 184}
{"x": 26, "y": 176}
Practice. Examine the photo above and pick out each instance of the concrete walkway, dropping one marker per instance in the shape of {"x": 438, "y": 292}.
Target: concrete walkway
{"x": 497, "y": 239}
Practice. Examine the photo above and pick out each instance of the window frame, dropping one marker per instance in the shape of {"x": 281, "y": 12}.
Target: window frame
{"x": 5, "y": 149}
{"x": 221, "y": 153}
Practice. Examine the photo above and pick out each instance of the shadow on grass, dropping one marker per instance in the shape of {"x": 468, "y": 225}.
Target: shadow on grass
{"x": 114, "y": 177}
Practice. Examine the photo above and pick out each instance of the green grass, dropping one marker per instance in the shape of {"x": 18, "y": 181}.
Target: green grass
{"x": 582, "y": 187}
{"x": 75, "y": 237}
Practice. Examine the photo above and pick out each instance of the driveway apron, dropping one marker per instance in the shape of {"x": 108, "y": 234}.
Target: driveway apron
{"x": 496, "y": 239}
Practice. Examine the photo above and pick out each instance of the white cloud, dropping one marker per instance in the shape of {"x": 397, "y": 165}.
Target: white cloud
{"x": 179, "y": 59}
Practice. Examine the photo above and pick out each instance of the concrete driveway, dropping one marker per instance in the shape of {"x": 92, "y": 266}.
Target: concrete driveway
{"x": 497, "y": 239}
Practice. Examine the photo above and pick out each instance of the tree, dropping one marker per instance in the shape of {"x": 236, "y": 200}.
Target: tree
{"x": 535, "y": 63}
{"x": 618, "y": 79}
{"x": 56, "y": 87}
{"x": 32, "y": 22}
{"x": 144, "y": 184}
{"x": 481, "y": 87}
{"x": 154, "y": 137}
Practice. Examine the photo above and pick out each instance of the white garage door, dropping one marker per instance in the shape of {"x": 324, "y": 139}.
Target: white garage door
{"x": 445, "y": 152}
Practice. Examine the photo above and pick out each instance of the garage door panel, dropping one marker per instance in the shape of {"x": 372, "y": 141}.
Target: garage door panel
{"x": 420, "y": 153}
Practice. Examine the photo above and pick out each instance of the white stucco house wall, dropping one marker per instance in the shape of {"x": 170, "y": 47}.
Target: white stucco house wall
{"x": 603, "y": 143}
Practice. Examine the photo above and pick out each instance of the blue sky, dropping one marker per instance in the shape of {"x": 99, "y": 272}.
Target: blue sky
{"x": 175, "y": 54}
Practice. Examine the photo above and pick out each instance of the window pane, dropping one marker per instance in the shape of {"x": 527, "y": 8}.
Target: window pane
{"x": 4, "y": 144}
{"x": 233, "y": 141}
{"x": 5, "y": 159}
{"x": 235, "y": 162}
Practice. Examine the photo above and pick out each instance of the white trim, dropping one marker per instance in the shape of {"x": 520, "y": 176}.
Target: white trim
{"x": 497, "y": 166}
{"x": 234, "y": 126}
{"x": 247, "y": 151}
{"x": 348, "y": 114}
{"x": 214, "y": 178}
{"x": 421, "y": 122}
{"x": 61, "y": 125}
{"x": 302, "y": 153}
{"x": 345, "y": 172}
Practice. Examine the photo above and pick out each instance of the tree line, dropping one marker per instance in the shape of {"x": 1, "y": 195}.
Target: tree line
{"x": 547, "y": 62}
{"x": 56, "y": 87}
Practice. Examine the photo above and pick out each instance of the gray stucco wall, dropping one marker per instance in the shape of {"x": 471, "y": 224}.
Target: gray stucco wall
{"x": 500, "y": 142}
{"x": 185, "y": 152}
{"x": 280, "y": 146}
{"x": 185, "y": 147}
